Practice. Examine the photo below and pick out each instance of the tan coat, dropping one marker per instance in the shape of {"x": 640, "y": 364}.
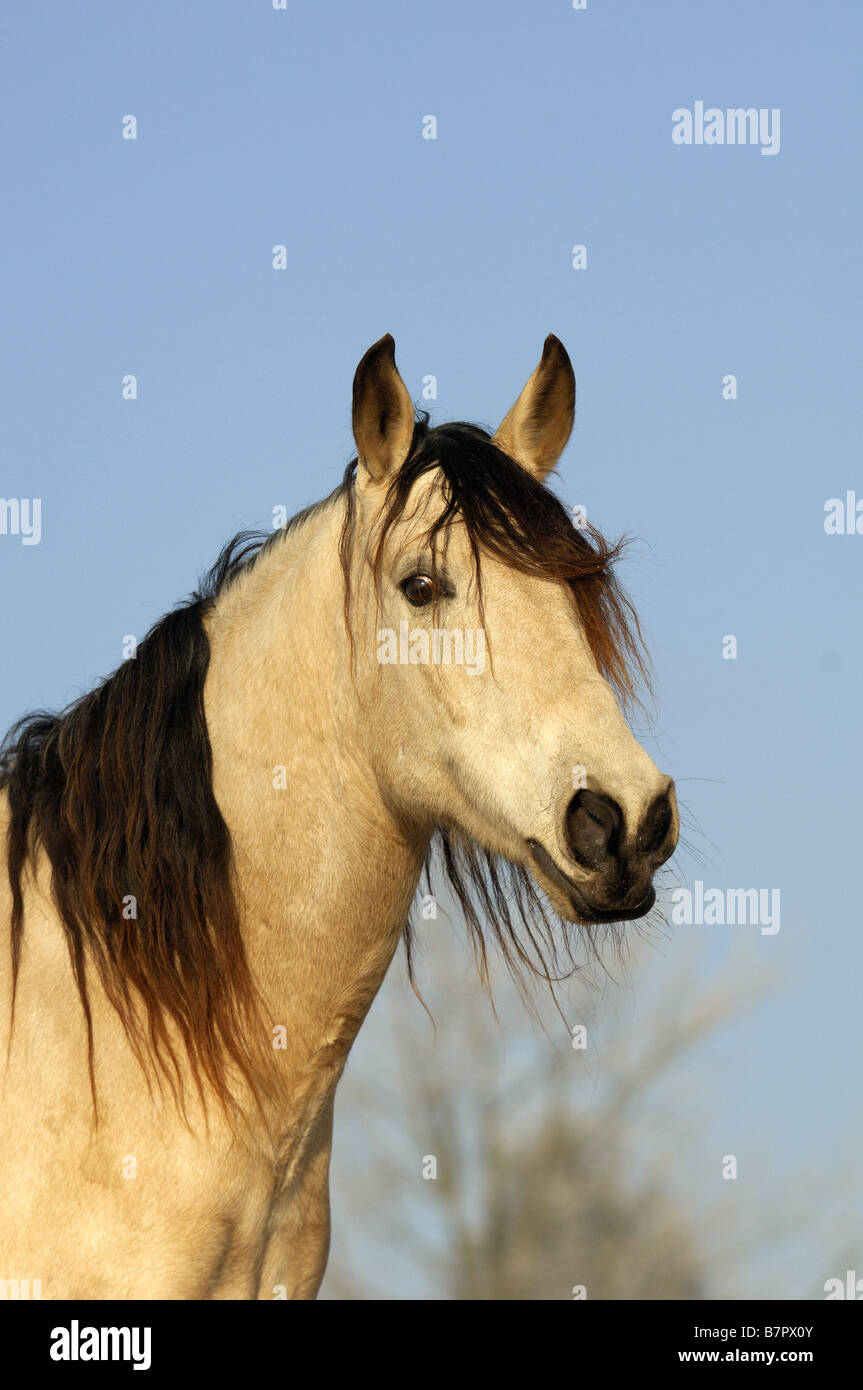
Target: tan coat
{"x": 331, "y": 785}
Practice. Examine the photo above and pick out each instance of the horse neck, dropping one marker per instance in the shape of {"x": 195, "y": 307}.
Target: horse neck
{"x": 325, "y": 875}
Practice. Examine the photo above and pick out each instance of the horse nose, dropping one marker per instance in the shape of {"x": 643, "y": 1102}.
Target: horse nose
{"x": 654, "y": 836}
{"x": 596, "y": 831}
{"x": 594, "y": 826}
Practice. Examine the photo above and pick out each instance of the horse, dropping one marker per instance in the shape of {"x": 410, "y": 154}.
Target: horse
{"x": 212, "y": 856}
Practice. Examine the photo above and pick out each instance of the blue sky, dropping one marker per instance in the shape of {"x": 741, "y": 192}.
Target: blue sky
{"x": 304, "y": 128}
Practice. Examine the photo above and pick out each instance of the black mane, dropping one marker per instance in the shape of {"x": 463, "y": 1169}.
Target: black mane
{"x": 117, "y": 789}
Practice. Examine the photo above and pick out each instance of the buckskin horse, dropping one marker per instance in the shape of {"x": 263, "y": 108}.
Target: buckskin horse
{"x": 212, "y": 856}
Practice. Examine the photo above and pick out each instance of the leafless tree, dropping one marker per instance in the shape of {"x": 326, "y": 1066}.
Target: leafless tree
{"x": 492, "y": 1156}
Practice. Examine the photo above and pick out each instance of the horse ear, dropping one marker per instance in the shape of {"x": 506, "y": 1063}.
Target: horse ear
{"x": 534, "y": 432}
{"x": 383, "y": 415}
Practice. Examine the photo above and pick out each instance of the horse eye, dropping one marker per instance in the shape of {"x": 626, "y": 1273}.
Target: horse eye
{"x": 419, "y": 590}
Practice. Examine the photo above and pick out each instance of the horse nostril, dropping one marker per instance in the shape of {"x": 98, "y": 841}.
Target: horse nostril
{"x": 594, "y": 826}
{"x": 656, "y": 825}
